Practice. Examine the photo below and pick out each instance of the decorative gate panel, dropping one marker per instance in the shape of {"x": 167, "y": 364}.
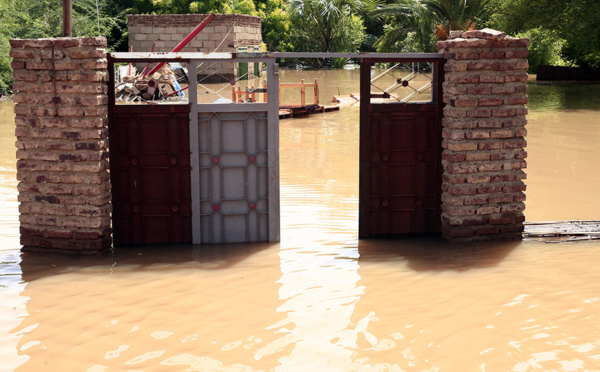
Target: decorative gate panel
{"x": 400, "y": 166}
{"x": 235, "y": 161}
{"x": 233, "y": 176}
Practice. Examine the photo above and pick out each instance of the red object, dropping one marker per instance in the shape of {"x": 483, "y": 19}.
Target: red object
{"x": 177, "y": 91}
{"x": 147, "y": 64}
{"x": 130, "y": 50}
{"x": 251, "y": 158}
{"x": 186, "y": 40}
{"x": 215, "y": 160}
{"x": 216, "y": 207}
{"x": 252, "y": 206}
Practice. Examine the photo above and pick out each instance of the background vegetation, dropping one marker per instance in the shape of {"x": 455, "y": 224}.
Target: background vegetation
{"x": 562, "y": 32}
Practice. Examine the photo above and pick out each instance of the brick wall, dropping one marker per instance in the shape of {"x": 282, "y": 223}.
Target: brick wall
{"x": 484, "y": 136}
{"x": 165, "y": 31}
{"x": 225, "y": 33}
{"x": 62, "y": 147}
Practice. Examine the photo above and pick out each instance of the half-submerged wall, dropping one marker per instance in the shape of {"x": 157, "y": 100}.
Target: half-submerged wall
{"x": 484, "y": 136}
{"x": 62, "y": 147}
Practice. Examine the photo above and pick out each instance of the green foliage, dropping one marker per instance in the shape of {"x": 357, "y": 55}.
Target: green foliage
{"x": 545, "y": 49}
{"x": 455, "y": 14}
{"x": 240, "y": 7}
{"x": 326, "y": 25}
{"x": 408, "y": 29}
{"x": 410, "y": 24}
{"x": 276, "y": 30}
{"x": 577, "y": 22}
{"x": 194, "y": 6}
{"x": 5, "y": 69}
{"x": 418, "y": 42}
{"x": 276, "y": 24}
{"x": 43, "y": 18}
{"x": 339, "y": 62}
{"x": 8, "y": 21}
{"x": 559, "y": 33}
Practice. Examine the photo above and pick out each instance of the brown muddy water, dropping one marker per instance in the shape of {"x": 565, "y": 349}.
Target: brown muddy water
{"x": 321, "y": 299}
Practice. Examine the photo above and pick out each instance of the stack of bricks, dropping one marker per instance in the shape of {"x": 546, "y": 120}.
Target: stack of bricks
{"x": 484, "y": 136}
{"x": 62, "y": 147}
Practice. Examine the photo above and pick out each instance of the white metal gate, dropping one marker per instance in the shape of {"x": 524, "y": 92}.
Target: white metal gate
{"x": 234, "y": 160}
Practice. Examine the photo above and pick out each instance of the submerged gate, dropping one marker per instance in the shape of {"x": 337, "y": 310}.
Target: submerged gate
{"x": 400, "y": 146}
{"x": 208, "y": 172}
{"x": 196, "y": 171}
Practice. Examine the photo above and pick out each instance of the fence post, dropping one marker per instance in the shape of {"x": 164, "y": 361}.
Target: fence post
{"x": 484, "y": 136}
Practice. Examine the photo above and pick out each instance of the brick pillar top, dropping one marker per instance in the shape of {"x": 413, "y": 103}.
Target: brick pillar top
{"x": 484, "y": 135}
{"x": 62, "y": 146}
{"x": 471, "y": 39}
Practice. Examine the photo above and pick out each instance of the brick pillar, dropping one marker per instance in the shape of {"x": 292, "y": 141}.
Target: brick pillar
{"x": 62, "y": 147}
{"x": 484, "y": 136}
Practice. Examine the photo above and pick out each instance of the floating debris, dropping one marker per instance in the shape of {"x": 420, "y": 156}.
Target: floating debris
{"x": 562, "y": 231}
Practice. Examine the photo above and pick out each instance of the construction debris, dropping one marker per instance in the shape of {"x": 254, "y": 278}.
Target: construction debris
{"x": 161, "y": 85}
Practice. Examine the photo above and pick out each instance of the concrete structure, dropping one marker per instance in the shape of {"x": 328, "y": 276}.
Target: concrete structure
{"x": 225, "y": 33}
{"x": 484, "y": 136}
{"x": 62, "y": 146}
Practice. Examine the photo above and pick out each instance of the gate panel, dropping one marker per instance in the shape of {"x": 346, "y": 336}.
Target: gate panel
{"x": 400, "y": 166}
{"x": 150, "y": 173}
{"x": 233, "y": 176}
{"x": 235, "y": 166}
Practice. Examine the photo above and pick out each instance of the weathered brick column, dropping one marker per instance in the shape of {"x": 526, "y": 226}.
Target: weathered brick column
{"x": 62, "y": 147}
{"x": 484, "y": 136}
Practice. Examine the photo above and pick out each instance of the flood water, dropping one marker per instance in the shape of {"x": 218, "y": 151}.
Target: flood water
{"x": 321, "y": 299}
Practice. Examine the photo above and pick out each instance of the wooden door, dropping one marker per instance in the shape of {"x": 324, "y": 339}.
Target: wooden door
{"x": 400, "y": 159}
{"x": 150, "y": 174}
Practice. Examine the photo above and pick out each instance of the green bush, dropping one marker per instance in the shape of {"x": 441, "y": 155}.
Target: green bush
{"x": 546, "y": 48}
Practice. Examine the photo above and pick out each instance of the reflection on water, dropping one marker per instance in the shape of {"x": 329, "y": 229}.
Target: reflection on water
{"x": 561, "y": 96}
{"x": 322, "y": 299}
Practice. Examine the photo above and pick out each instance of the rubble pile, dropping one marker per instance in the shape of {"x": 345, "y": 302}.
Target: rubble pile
{"x": 161, "y": 85}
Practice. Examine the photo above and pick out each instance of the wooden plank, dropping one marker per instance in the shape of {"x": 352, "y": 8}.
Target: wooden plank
{"x": 562, "y": 231}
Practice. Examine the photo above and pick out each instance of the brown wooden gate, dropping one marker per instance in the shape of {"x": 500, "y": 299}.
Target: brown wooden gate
{"x": 400, "y": 148}
{"x": 150, "y": 174}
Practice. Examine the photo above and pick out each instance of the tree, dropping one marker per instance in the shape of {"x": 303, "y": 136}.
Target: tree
{"x": 408, "y": 27}
{"x": 545, "y": 49}
{"x": 327, "y": 25}
{"x": 8, "y": 20}
{"x": 455, "y": 14}
{"x": 194, "y": 6}
{"x": 575, "y": 21}
{"x": 411, "y": 23}
{"x": 43, "y": 18}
